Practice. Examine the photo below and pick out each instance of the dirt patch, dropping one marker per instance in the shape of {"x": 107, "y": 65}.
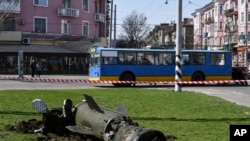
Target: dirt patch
{"x": 29, "y": 126}
{"x": 26, "y": 127}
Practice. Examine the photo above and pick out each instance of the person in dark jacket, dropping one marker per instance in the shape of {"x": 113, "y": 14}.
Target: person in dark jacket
{"x": 33, "y": 68}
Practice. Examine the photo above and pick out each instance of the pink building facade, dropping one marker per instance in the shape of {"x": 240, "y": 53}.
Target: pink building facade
{"x": 62, "y": 17}
{"x": 57, "y": 33}
{"x": 221, "y": 25}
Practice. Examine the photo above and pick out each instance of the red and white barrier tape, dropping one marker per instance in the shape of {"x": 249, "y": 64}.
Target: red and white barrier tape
{"x": 124, "y": 82}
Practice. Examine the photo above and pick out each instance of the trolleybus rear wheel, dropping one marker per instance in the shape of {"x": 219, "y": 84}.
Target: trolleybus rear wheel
{"x": 198, "y": 76}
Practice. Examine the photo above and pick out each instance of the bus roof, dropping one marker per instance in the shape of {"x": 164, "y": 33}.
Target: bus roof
{"x": 99, "y": 49}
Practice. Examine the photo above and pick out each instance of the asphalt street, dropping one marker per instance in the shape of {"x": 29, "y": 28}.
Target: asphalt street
{"x": 236, "y": 94}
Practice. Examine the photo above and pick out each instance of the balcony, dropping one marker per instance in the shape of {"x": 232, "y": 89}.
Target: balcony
{"x": 10, "y": 7}
{"x": 99, "y": 17}
{"x": 209, "y": 20}
{"x": 231, "y": 12}
{"x": 68, "y": 12}
{"x": 231, "y": 28}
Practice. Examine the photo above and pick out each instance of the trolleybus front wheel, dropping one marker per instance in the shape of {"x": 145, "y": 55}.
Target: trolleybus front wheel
{"x": 126, "y": 77}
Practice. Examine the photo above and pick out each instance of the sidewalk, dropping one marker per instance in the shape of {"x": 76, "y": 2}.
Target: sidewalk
{"x": 48, "y": 76}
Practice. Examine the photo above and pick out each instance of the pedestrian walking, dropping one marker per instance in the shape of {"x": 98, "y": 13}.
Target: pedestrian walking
{"x": 38, "y": 69}
{"x": 33, "y": 68}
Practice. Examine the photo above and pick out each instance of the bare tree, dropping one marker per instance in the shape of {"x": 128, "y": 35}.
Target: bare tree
{"x": 7, "y": 8}
{"x": 135, "y": 28}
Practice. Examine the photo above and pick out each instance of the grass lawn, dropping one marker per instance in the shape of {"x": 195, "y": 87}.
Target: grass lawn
{"x": 187, "y": 115}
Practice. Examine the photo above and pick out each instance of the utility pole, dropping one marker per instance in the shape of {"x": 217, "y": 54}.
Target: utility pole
{"x": 110, "y": 26}
{"x": 115, "y": 27}
{"x": 246, "y": 32}
{"x": 178, "y": 53}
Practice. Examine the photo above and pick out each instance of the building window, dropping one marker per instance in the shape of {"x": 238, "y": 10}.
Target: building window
{"x": 11, "y": 64}
{"x": 215, "y": 26}
{"x": 16, "y": 1}
{"x": 85, "y": 5}
{"x": 248, "y": 17}
{"x": 41, "y": 2}
{"x": 9, "y": 24}
{"x": 220, "y": 25}
{"x": 85, "y": 28}
{"x": 40, "y": 25}
{"x": 66, "y": 27}
{"x": 66, "y": 4}
{"x": 221, "y": 10}
{"x": 216, "y": 10}
{"x": 96, "y": 7}
{"x": 242, "y": 17}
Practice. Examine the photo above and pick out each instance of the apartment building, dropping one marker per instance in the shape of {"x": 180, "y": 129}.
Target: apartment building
{"x": 221, "y": 24}
{"x": 164, "y": 35}
{"x": 57, "y": 33}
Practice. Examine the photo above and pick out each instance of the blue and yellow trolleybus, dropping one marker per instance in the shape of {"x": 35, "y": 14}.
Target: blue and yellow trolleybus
{"x": 118, "y": 64}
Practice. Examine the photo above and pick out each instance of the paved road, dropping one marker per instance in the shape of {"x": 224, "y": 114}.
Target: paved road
{"x": 237, "y": 94}
{"x": 11, "y": 82}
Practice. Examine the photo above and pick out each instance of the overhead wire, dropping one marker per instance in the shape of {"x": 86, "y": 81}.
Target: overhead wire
{"x": 184, "y": 7}
{"x": 151, "y": 3}
{"x": 190, "y": 2}
{"x": 187, "y": 4}
{"x": 156, "y": 11}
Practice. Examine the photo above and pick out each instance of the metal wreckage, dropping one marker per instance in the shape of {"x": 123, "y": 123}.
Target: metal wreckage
{"x": 89, "y": 118}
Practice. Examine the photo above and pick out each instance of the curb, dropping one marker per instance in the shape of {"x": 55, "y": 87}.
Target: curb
{"x": 50, "y": 80}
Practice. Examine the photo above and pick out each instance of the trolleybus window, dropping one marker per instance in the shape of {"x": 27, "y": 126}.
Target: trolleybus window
{"x": 95, "y": 59}
{"x": 109, "y": 57}
{"x": 166, "y": 58}
{"x": 197, "y": 58}
{"x": 127, "y": 57}
{"x": 145, "y": 58}
{"x": 217, "y": 59}
{"x": 194, "y": 58}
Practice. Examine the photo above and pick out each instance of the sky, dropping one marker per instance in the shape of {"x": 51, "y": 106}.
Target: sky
{"x": 156, "y": 11}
